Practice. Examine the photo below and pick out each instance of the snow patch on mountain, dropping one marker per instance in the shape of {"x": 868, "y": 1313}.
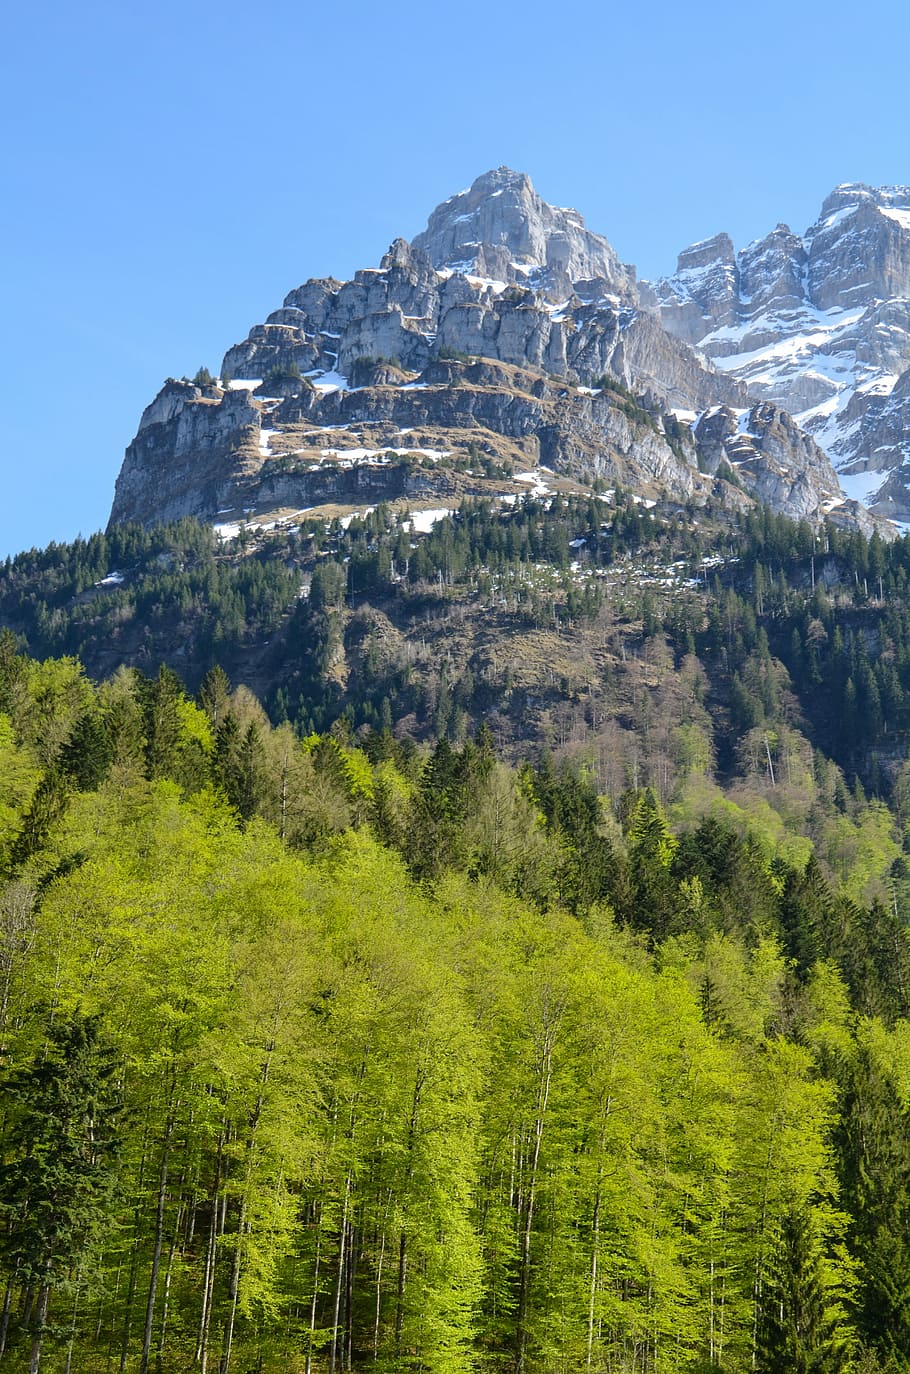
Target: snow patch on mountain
{"x": 818, "y": 324}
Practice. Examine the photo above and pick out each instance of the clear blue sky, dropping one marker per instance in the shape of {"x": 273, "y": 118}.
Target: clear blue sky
{"x": 172, "y": 170}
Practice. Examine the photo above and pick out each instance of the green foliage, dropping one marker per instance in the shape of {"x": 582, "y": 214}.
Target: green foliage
{"x": 446, "y": 354}
{"x": 799, "y": 1328}
{"x": 61, "y": 1150}
{"x": 431, "y": 1062}
{"x": 282, "y": 373}
{"x": 627, "y": 401}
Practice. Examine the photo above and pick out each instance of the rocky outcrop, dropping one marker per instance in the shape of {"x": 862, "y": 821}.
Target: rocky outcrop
{"x": 333, "y": 484}
{"x": 772, "y": 271}
{"x": 703, "y": 295}
{"x": 406, "y": 312}
{"x": 190, "y": 453}
{"x": 770, "y": 457}
{"x": 632, "y": 346}
{"x": 236, "y": 451}
{"x": 882, "y": 467}
{"x": 859, "y": 248}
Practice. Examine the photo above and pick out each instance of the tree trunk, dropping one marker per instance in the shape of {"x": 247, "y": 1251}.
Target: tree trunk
{"x": 524, "y": 1279}
{"x": 338, "y": 1286}
{"x": 134, "y": 1257}
{"x": 348, "y": 1344}
{"x": 234, "y": 1293}
{"x": 44, "y": 1297}
{"x": 402, "y": 1280}
{"x": 72, "y": 1337}
{"x": 4, "y": 1318}
{"x": 309, "y": 1352}
{"x": 378, "y": 1297}
{"x": 165, "y": 1298}
{"x": 592, "y": 1295}
{"x": 159, "y": 1241}
{"x": 208, "y": 1282}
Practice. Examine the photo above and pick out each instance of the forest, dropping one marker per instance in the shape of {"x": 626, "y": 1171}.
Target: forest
{"x": 348, "y": 1052}
{"x": 790, "y": 627}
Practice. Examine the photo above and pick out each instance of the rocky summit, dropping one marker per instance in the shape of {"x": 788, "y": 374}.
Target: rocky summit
{"x": 507, "y": 348}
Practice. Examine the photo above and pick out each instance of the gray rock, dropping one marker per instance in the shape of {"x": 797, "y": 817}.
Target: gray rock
{"x": 187, "y": 459}
{"x": 770, "y": 456}
{"x": 383, "y": 335}
{"x": 501, "y": 229}
{"x": 859, "y": 249}
{"x": 539, "y": 306}
{"x": 818, "y": 324}
{"x": 772, "y": 271}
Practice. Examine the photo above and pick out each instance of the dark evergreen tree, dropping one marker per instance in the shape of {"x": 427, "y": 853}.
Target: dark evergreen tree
{"x": 873, "y": 1140}
{"x": 60, "y": 1157}
{"x": 251, "y": 779}
{"x": 160, "y": 698}
{"x": 651, "y": 852}
{"x": 799, "y": 1328}
{"x": 12, "y": 671}
{"x": 87, "y": 755}
{"x": 214, "y": 692}
{"x": 47, "y": 806}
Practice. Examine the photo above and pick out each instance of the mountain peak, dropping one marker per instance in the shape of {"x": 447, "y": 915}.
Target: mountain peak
{"x": 851, "y": 195}
{"x": 500, "y": 228}
{"x": 500, "y": 179}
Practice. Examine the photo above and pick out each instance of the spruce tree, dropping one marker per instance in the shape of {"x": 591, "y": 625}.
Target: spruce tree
{"x": 873, "y": 1142}
{"x": 60, "y": 1155}
{"x": 214, "y": 694}
{"x": 799, "y": 1331}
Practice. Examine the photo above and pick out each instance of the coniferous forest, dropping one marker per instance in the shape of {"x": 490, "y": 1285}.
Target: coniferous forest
{"x": 415, "y": 1013}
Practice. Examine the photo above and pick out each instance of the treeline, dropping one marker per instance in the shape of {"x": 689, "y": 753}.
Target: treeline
{"x": 822, "y": 615}
{"x": 793, "y": 626}
{"x": 179, "y": 578}
{"x": 338, "y": 1053}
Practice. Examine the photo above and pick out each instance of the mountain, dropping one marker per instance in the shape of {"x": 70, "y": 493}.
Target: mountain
{"x": 506, "y": 342}
{"x": 522, "y": 981}
{"x": 818, "y": 324}
{"x": 501, "y": 229}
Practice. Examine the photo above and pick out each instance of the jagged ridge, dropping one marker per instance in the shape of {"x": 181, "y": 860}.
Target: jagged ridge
{"x": 352, "y": 368}
{"x": 819, "y": 323}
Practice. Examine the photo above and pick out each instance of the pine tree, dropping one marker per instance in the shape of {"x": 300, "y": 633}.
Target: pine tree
{"x": 60, "y": 1156}
{"x": 799, "y": 1330}
{"x": 46, "y": 808}
{"x": 214, "y": 692}
{"x": 160, "y": 698}
{"x": 874, "y": 1154}
{"x": 651, "y": 851}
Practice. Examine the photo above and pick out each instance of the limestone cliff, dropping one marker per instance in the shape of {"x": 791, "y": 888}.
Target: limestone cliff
{"x": 507, "y": 329}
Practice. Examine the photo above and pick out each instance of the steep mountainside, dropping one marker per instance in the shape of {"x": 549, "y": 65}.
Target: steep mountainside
{"x": 818, "y": 324}
{"x": 507, "y": 337}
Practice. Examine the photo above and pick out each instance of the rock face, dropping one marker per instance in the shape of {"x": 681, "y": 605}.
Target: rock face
{"x": 501, "y": 229}
{"x": 193, "y": 447}
{"x": 776, "y": 462}
{"x": 507, "y": 328}
{"x": 818, "y": 324}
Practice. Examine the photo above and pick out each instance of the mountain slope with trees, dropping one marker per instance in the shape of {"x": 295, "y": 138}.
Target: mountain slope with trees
{"x": 332, "y": 1054}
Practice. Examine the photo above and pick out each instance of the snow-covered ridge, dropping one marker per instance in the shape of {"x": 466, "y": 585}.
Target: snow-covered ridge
{"x": 818, "y": 323}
